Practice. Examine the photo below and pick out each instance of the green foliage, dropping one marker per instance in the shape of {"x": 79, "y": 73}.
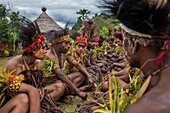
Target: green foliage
{"x": 105, "y": 106}
{"x": 3, "y": 11}
{"x": 106, "y": 20}
{"x": 83, "y": 14}
{"x": 6, "y": 53}
{"x": 66, "y": 66}
{"x": 4, "y": 85}
{"x": 71, "y": 49}
{"x": 8, "y": 32}
{"x": 104, "y": 31}
{"x": 77, "y": 25}
{"x": 121, "y": 101}
{"x": 99, "y": 21}
{"x": 47, "y": 68}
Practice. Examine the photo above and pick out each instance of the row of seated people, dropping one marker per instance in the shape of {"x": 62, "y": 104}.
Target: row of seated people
{"x": 39, "y": 75}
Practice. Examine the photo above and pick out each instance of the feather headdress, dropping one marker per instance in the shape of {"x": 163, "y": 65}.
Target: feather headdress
{"x": 145, "y": 16}
{"x": 30, "y": 35}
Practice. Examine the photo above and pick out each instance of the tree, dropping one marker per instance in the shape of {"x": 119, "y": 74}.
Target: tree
{"x": 83, "y": 13}
{"x": 8, "y": 32}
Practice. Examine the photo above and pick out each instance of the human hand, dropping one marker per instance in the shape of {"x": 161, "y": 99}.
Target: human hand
{"x": 90, "y": 82}
{"x": 41, "y": 91}
{"x": 82, "y": 95}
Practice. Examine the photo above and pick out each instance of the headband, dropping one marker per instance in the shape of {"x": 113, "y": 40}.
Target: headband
{"x": 159, "y": 58}
{"x": 80, "y": 39}
{"x": 62, "y": 39}
{"x": 35, "y": 44}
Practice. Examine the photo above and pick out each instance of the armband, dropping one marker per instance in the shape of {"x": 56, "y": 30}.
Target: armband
{"x": 56, "y": 66}
{"x": 70, "y": 59}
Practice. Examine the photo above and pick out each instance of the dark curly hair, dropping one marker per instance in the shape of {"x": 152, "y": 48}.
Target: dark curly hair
{"x": 29, "y": 32}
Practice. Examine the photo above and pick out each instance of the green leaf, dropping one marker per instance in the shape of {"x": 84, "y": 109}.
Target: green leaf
{"x": 101, "y": 111}
{"x": 116, "y": 93}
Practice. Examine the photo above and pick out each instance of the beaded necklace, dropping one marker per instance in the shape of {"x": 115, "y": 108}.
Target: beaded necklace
{"x": 160, "y": 69}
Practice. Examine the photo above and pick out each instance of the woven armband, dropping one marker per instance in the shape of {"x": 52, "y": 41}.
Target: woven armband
{"x": 70, "y": 59}
{"x": 14, "y": 86}
{"x": 56, "y": 66}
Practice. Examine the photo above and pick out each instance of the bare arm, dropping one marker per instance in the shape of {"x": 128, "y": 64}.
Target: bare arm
{"x": 33, "y": 93}
{"x": 66, "y": 80}
{"x": 82, "y": 70}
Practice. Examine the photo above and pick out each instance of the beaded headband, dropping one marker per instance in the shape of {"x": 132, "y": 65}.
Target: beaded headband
{"x": 62, "y": 39}
{"x": 159, "y": 59}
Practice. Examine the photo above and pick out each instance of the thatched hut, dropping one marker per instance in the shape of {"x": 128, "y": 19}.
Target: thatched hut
{"x": 46, "y": 23}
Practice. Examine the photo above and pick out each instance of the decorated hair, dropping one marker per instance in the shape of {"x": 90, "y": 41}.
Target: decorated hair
{"x": 80, "y": 39}
{"x": 61, "y": 35}
{"x": 30, "y": 36}
{"x": 145, "y": 16}
{"x": 144, "y": 19}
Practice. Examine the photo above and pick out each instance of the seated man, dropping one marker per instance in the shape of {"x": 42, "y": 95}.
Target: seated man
{"x": 60, "y": 46}
{"x": 74, "y": 61}
{"x": 146, "y": 37}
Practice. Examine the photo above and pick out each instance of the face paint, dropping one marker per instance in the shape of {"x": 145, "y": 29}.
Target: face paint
{"x": 80, "y": 48}
{"x": 64, "y": 47}
{"x": 40, "y": 52}
{"x": 67, "y": 43}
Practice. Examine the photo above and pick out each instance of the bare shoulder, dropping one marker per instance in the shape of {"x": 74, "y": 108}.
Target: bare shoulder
{"x": 13, "y": 63}
{"x": 152, "y": 102}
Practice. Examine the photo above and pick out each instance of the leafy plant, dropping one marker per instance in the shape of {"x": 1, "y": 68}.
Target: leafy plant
{"x": 121, "y": 101}
{"x": 47, "y": 68}
{"x": 4, "y": 84}
{"x": 104, "y": 31}
{"x": 9, "y": 31}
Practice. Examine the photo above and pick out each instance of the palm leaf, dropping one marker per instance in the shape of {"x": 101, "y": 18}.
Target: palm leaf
{"x": 142, "y": 89}
{"x": 104, "y": 101}
{"x": 3, "y": 99}
{"x": 116, "y": 94}
{"x": 110, "y": 94}
{"x": 101, "y": 111}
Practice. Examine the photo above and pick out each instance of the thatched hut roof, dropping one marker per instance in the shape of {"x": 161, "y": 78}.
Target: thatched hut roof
{"x": 46, "y": 23}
